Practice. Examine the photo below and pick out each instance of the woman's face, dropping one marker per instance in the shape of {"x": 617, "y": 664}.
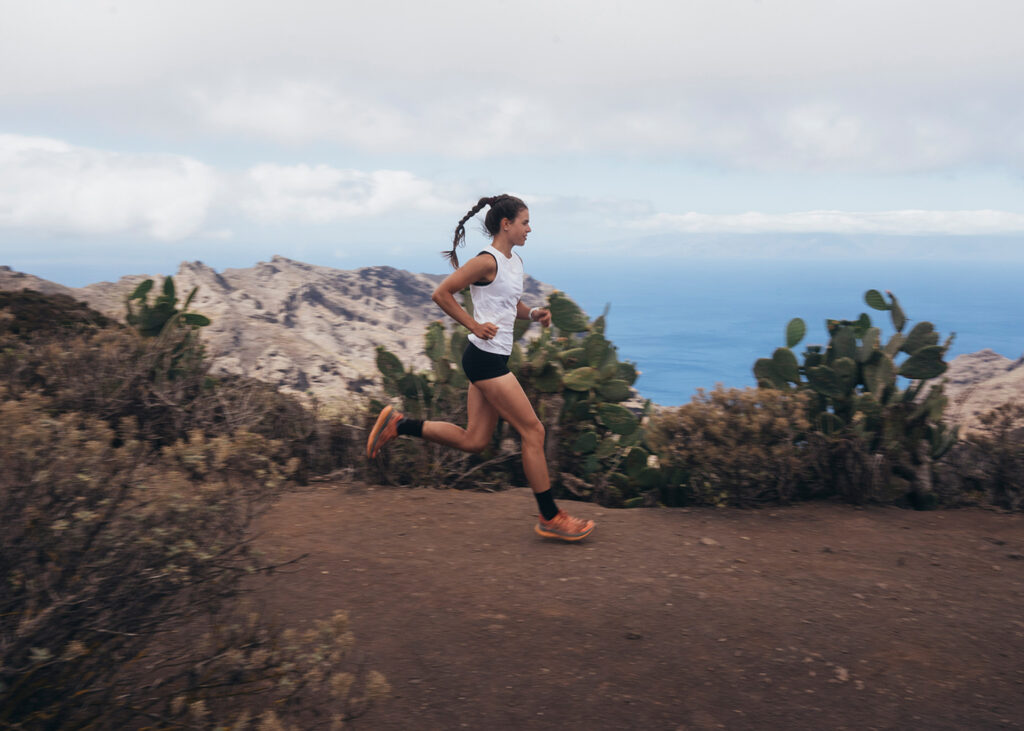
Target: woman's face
{"x": 518, "y": 229}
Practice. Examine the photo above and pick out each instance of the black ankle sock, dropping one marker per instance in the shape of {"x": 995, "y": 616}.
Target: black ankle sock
{"x": 411, "y": 427}
{"x": 546, "y": 503}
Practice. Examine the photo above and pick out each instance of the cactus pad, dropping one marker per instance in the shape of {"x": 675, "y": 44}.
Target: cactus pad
{"x": 874, "y": 299}
{"x": 581, "y": 379}
{"x": 617, "y": 419}
{"x": 795, "y": 331}
{"x": 566, "y": 315}
{"x": 925, "y": 363}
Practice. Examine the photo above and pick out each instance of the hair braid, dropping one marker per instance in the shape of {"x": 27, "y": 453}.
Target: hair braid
{"x": 460, "y": 231}
{"x": 502, "y": 206}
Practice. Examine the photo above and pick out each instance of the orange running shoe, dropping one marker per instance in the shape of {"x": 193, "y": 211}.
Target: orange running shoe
{"x": 384, "y": 430}
{"x": 564, "y": 527}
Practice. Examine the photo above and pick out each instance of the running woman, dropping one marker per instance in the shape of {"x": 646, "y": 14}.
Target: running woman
{"x": 495, "y": 279}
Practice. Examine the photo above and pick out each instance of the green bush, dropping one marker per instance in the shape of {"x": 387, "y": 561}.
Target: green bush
{"x": 733, "y": 447}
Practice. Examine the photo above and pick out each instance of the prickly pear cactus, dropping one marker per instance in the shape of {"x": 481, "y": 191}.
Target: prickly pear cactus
{"x": 857, "y": 389}
{"x": 164, "y": 319}
{"x": 151, "y": 320}
{"x": 596, "y": 444}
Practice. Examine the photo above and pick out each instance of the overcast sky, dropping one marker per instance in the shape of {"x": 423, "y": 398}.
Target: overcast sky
{"x": 134, "y": 135}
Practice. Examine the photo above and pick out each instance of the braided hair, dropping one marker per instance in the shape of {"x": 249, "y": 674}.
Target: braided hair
{"x": 502, "y": 206}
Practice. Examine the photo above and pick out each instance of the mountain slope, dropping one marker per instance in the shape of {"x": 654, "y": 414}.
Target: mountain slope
{"x": 12, "y": 281}
{"x": 979, "y": 382}
{"x": 304, "y": 327}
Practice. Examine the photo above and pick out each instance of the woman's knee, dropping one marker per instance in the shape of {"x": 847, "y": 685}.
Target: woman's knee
{"x": 476, "y": 444}
{"x": 533, "y": 433}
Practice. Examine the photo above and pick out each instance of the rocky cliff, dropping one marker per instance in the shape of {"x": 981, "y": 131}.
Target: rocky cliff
{"x": 979, "y": 382}
{"x": 299, "y": 326}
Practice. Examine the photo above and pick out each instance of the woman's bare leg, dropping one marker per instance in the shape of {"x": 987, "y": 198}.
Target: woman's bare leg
{"x": 482, "y": 418}
{"x": 506, "y": 396}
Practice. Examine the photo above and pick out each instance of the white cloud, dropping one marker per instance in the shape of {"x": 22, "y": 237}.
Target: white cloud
{"x": 295, "y": 112}
{"x": 49, "y": 185}
{"x": 593, "y": 43}
{"x": 322, "y": 194}
{"x": 802, "y": 85}
{"x": 864, "y": 132}
{"x": 905, "y": 223}
{"x": 52, "y": 186}
{"x": 301, "y": 111}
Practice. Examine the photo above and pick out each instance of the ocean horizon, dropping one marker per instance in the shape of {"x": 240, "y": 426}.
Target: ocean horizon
{"x": 690, "y": 326}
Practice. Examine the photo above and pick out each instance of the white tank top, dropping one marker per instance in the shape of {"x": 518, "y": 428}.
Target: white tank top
{"x": 496, "y": 302}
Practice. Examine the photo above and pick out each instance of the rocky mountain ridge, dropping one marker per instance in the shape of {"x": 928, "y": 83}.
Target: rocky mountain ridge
{"x": 302, "y": 327}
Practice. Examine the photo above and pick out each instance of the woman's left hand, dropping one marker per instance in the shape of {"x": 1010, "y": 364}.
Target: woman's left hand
{"x": 543, "y": 316}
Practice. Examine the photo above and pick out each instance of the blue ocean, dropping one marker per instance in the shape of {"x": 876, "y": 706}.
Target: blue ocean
{"x": 694, "y": 325}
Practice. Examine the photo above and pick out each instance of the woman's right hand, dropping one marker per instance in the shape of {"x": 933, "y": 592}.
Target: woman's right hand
{"x": 485, "y": 331}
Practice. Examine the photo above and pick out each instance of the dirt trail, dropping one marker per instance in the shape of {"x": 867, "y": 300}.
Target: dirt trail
{"x": 817, "y": 616}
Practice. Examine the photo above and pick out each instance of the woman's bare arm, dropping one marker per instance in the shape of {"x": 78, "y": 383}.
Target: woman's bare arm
{"x": 481, "y": 268}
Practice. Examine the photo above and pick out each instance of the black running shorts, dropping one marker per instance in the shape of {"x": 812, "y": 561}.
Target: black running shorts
{"x": 479, "y": 365}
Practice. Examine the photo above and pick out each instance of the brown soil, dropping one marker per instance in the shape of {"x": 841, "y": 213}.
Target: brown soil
{"x": 817, "y": 616}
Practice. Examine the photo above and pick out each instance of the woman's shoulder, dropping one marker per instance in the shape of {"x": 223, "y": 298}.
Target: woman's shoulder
{"x": 484, "y": 267}
{"x": 488, "y": 259}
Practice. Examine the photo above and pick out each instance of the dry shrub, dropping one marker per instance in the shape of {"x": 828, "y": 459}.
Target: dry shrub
{"x": 320, "y": 442}
{"x": 129, "y": 479}
{"x": 733, "y": 446}
{"x": 161, "y": 383}
{"x": 844, "y": 465}
{"x": 25, "y": 313}
{"x": 989, "y": 464}
{"x": 254, "y": 675}
{"x": 106, "y": 547}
